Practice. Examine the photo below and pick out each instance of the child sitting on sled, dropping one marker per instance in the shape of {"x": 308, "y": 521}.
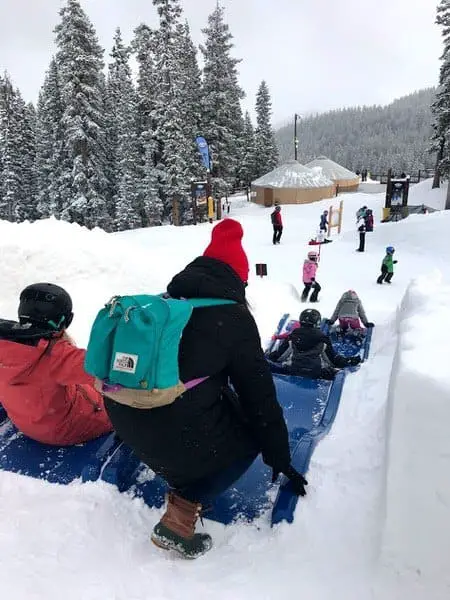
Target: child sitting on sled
{"x": 350, "y": 312}
{"x": 43, "y": 386}
{"x": 308, "y": 352}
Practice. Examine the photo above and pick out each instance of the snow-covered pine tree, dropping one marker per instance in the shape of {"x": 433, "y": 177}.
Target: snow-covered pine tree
{"x": 247, "y": 166}
{"x": 151, "y": 206}
{"x": 53, "y": 163}
{"x": 173, "y": 120}
{"x": 441, "y": 105}
{"x": 26, "y": 207}
{"x": 221, "y": 109}
{"x": 122, "y": 137}
{"x": 10, "y": 150}
{"x": 266, "y": 147}
{"x": 80, "y": 63}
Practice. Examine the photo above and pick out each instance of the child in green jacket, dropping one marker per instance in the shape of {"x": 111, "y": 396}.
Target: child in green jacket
{"x": 387, "y": 266}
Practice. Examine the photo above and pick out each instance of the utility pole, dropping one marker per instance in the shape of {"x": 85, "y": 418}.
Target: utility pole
{"x": 296, "y": 116}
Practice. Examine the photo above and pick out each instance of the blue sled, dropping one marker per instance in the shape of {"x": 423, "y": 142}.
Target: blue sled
{"x": 309, "y": 406}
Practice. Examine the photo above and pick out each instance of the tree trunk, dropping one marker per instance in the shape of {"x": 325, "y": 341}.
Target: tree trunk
{"x": 447, "y": 200}
{"x": 437, "y": 171}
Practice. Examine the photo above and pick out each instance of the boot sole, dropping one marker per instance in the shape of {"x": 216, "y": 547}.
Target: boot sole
{"x": 169, "y": 546}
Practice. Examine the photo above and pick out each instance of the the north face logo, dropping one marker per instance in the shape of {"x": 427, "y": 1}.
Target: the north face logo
{"x": 125, "y": 363}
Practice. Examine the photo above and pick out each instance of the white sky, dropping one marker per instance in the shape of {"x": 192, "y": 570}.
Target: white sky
{"x": 314, "y": 54}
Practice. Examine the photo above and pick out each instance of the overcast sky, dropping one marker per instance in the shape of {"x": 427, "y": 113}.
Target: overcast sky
{"x": 314, "y": 54}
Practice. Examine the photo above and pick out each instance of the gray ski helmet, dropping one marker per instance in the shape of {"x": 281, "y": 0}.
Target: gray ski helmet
{"x": 310, "y": 318}
{"x": 46, "y": 305}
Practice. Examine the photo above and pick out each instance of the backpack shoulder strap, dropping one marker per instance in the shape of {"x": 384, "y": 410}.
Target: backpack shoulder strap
{"x": 204, "y": 302}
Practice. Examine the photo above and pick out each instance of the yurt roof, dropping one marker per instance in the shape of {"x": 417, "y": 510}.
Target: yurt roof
{"x": 331, "y": 169}
{"x": 293, "y": 175}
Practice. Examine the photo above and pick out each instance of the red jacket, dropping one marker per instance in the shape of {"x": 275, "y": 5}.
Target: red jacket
{"x": 47, "y": 394}
{"x": 277, "y": 220}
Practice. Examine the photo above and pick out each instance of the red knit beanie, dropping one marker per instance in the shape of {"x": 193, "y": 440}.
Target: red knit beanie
{"x": 226, "y": 246}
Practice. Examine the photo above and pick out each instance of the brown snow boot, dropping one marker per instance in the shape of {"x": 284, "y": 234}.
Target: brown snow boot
{"x": 176, "y": 530}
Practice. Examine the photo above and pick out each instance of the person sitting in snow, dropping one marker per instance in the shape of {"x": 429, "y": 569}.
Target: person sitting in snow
{"x": 324, "y": 221}
{"x": 350, "y": 312}
{"x": 387, "y": 266}
{"x": 43, "y": 386}
{"x": 308, "y": 352}
{"x": 207, "y": 439}
{"x": 310, "y": 267}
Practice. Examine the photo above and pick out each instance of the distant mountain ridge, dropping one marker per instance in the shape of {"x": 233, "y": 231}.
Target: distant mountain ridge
{"x": 375, "y": 137}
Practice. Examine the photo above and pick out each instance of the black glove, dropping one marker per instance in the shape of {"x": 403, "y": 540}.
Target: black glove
{"x": 354, "y": 360}
{"x": 395, "y": 262}
{"x": 312, "y": 279}
{"x": 297, "y": 481}
{"x": 370, "y": 325}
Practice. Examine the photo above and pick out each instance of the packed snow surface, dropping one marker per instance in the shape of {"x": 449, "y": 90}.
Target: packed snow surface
{"x": 375, "y": 524}
{"x": 293, "y": 175}
{"x": 332, "y": 170}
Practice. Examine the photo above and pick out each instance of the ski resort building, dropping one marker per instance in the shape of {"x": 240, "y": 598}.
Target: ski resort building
{"x": 342, "y": 177}
{"x": 292, "y": 183}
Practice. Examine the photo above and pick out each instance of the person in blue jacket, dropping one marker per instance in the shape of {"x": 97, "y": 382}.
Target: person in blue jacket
{"x": 324, "y": 221}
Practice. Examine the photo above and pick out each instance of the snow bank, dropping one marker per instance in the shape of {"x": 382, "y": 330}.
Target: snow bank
{"x": 422, "y": 193}
{"x": 416, "y": 541}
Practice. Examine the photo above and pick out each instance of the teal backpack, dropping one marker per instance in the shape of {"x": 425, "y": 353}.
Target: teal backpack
{"x": 134, "y": 344}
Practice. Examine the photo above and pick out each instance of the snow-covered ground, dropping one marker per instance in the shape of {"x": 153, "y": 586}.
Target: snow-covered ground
{"x": 375, "y": 523}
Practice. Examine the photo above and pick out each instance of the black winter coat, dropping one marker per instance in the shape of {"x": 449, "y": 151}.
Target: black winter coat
{"x": 310, "y": 346}
{"x": 202, "y": 433}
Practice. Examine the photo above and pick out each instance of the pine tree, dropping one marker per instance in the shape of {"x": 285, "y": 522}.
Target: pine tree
{"x": 16, "y": 155}
{"x": 9, "y": 175}
{"x": 222, "y": 119}
{"x": 441, "y": 105}
{"x": 80, "y": 63}
{"x": 173, "y": 132}
{"x": 151, "y": 206}
{"x": 53, "y": 163}
{"x": 121, "y": 105}
{"x": 26, "y": 207}
{"x": 247, "y": 170}
{"x": 266, "y": 148}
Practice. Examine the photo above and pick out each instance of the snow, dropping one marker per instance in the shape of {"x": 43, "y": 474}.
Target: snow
{"x": 434, "y": 198}
{"x": 375, "y": 522}
{"x": 293, "y": 175}
{"x": 332, "y": 170}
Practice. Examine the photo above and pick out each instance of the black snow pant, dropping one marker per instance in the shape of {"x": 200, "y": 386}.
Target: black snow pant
{"x": 362, "y": 241}
{"x": 385, "y": 276}
{"x": 277, "y": 231}
{"x": 315, "y": 286}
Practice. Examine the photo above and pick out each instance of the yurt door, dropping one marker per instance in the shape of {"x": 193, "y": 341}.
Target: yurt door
{"x": 268, "y": 197}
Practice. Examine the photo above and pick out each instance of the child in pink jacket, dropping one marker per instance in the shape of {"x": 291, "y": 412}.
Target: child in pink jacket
{"x": 310, "y": 267}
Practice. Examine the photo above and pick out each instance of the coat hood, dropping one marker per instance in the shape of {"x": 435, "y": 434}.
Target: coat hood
{"x": 207, "y": 278}
{"x": 20, "y": 349}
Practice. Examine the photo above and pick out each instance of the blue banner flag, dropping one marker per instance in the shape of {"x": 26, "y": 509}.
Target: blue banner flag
{"x": 204, "y": 151}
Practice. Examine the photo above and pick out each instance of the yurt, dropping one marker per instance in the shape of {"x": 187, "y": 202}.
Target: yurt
{"x": 345, "y": 179}
{"x": 292, "y": 183}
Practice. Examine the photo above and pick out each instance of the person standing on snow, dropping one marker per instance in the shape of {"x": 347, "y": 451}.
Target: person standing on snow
{"x": 349, "y": 310}
{"x": 310, "y": 267}
{"x": 362, "y": 235}
{"x": 387, "y": 266}
{"x": 324, "y": 221}
{"x": 43, "y": 386}
{"x": 208, "y": 438}
{"x": 277, "y": 223}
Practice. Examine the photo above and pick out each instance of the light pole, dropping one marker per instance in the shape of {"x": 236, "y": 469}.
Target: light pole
{"x": 296, "y": 116}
